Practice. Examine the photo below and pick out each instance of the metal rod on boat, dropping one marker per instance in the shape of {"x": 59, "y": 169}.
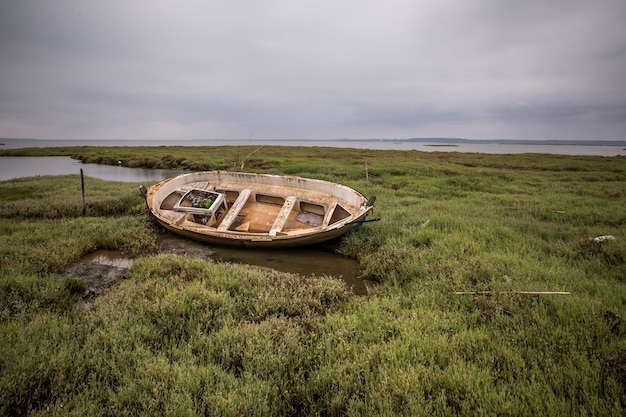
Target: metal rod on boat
{"x": 364, "y": 221}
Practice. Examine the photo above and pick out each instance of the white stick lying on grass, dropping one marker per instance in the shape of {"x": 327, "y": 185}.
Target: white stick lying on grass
{"x": 512, "y": 292}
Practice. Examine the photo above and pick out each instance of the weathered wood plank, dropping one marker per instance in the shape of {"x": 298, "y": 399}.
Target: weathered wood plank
{"x": 283, "y": 215}
{"x": 234, "y": 210}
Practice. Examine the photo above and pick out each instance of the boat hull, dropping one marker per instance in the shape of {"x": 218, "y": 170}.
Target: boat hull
{"x": 259, "y": 210}
{"x": 260, "y": 242}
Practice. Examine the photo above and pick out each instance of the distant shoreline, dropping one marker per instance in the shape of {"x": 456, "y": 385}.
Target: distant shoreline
{"x": 431, "y": 141}
{"x": 591, "y": 148}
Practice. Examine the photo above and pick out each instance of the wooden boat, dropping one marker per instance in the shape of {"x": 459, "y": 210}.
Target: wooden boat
{"x": 223, "y": 207}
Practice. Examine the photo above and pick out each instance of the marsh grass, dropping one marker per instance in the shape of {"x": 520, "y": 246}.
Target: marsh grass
{"x": 36, "y": 198}
{"x": 183, "y": 336}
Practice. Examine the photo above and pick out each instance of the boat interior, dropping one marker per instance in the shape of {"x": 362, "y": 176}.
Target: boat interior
{"x": 274, "y": 212}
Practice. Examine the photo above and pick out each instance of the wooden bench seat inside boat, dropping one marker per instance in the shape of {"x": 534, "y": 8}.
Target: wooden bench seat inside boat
{"x": 234, "y": 210}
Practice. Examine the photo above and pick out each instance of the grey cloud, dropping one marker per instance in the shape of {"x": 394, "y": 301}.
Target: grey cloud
{"x": 313, "y": 69}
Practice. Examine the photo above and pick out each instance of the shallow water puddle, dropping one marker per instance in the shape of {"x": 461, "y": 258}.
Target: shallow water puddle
{"x": 307, "y": 261}
{"x": 102, "y": 267}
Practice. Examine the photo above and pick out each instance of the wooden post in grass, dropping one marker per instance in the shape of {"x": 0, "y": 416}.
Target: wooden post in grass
{"x": 82, "y": 184}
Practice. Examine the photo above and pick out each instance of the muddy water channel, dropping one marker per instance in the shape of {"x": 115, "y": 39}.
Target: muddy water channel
{"x": 102, "y": 268}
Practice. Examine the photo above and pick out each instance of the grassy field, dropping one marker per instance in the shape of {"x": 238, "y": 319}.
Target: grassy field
{"x": 184, "y": 336}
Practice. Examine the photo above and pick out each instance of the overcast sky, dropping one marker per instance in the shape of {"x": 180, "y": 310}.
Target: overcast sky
{"x": 275, "y": 69}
